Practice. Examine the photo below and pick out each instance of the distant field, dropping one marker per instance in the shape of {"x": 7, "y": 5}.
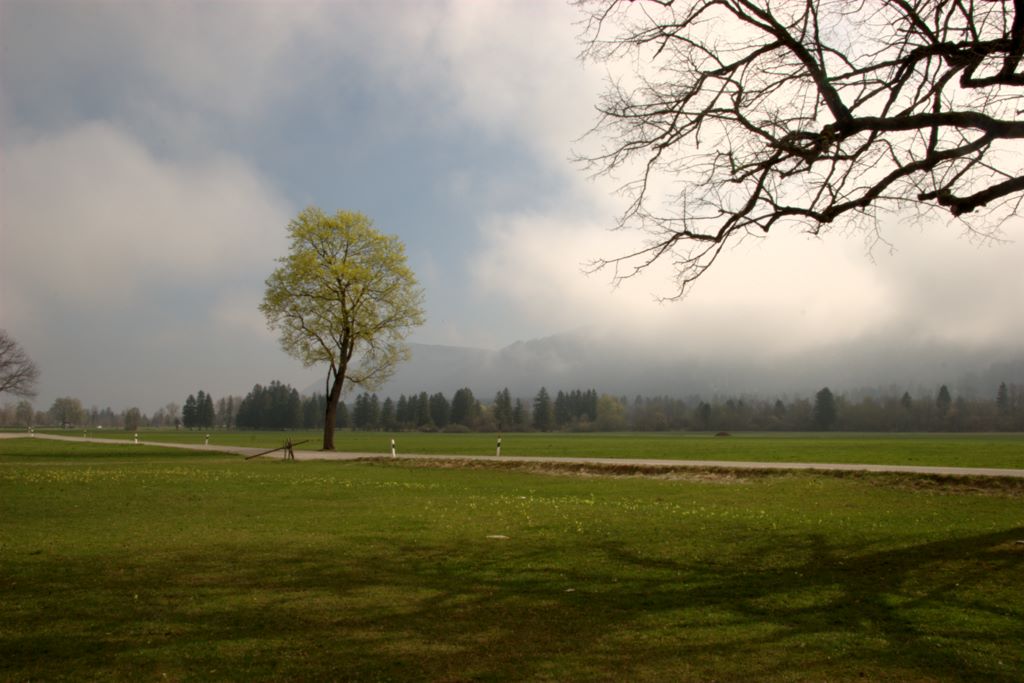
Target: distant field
{"x": 139, "y": 563}
{"x": 960, "y": 450}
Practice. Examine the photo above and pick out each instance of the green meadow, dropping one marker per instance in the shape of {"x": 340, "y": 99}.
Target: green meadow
{"x": 953, "y": 450}
{"x": 142, "y": 563}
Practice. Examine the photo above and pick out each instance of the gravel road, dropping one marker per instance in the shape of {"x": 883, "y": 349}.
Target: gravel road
{"x": 646, "y": 463}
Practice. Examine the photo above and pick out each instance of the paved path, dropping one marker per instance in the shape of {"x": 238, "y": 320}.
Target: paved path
{"x": 629, "y": 462}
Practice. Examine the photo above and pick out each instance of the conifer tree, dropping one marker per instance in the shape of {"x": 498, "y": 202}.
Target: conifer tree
{"x": 463, "y": 407}
{"x": 503, "y": 409}
{"x": 825, "y": 413}
{"x": 440, "y": 410}
{"x": 189, "y": 412}
{"x": 543, "y": 411}
{"x": 1003, "y": 399}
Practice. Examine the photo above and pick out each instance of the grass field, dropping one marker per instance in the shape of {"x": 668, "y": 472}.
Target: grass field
{"x": 136, "y": 563}
{"x": 960, "y": 450}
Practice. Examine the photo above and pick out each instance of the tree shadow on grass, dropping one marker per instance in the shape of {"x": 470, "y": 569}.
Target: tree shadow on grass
{"x": 916, "y": 612}
{"x": 786, "y": 608}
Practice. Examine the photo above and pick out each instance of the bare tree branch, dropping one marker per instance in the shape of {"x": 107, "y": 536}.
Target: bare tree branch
{"x": 18, "y": 373}
{"x": 739, "y": 116}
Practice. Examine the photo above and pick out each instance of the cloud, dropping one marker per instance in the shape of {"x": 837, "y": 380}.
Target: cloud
{"x": 236, "y": 312}
{"x": 90, "y": 218}
{"x": 950, "y": 287}
{"x": 514, "y": 68}
{"x": 781, "y": 295}
{"x": 199, "y": 57}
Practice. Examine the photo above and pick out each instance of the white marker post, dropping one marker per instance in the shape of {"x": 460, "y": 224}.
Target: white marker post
{"x": 136, "y": 437}
{"x": 393, "y": 448}
{"x": 498, "y": 451}
{"x": 207, "y": 441}
{"x": 32, "y": 432}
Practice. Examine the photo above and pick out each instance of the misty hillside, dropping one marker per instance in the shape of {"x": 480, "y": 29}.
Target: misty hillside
{"x": 612, "y": 365}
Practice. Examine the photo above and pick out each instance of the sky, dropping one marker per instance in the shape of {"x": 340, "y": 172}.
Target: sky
{"x": 153, "y": 152}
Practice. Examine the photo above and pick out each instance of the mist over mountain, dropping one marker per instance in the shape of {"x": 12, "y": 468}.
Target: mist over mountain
{"x": 612, "y": 363}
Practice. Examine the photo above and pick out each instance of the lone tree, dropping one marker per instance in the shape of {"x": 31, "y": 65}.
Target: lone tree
{"x": 67, "y": 411}
{"x": 735, "y": 117}
{"x": 343, "y": 296}
{"x": 18, "y": 373}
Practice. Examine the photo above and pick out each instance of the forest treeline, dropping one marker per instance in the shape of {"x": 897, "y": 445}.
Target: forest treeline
{"x": 280, "y": 406}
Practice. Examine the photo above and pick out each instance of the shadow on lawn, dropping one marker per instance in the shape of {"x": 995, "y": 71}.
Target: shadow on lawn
{"x": 499, "y": 612}
{"x": 910, "y": 612}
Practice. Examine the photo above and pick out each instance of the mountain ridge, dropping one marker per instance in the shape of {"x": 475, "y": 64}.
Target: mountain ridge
{"x": 620, "y": 366}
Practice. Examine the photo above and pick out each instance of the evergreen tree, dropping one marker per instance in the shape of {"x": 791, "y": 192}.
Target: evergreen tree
{"x": 277, "y": 406}
{"x": 361, "y": 412}
{"x": 200, "y": 409}
{"x": 519, "y": 416}
{"x": 402, "y": 412}
{"x": 543, "y": 411}
{"x": 463, "y": 407}
{"x": 313, "y": 409}
{"x": 388, "y": 415}
{"x": 189, "y": 413}
{"x": 503, "y": 409}
{"x": 1003, "y": 399}
{"x": 292, "y": 418}
{"x": 943, "y": 401}
{"x": 906, "y": 401}
{"x": 440, "y": 410}
{"x": 704, "y": 415}
{"x": 564, "y": 410}
{"x": 423, "y": 410}
{"x": 204, "y": 410}
{"x": 590, "y": 400}
{"x": 373, "y": 413}
{"x": 342, "y": 418}
{"x": 825, "y": 413}
{"x": 779, "y": 409}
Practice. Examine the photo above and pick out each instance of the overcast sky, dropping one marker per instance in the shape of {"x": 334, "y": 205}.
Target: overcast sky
{"x": 153, "y": 153}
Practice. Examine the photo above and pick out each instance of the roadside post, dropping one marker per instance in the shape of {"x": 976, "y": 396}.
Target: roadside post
{"x": 498, "y": 450}
{"x": 393, "y": 448}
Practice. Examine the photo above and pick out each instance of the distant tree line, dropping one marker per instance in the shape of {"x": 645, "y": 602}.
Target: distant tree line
{"x": 586, "y": 410}
{"x": 199, "y": 412}
{"x": 895, "y": 412}
{"x": 68, "y": 412}
{"x": 280, "y": 406}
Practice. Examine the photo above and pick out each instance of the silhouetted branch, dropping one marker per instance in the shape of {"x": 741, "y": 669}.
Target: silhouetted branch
{"x": 744, "y": 115}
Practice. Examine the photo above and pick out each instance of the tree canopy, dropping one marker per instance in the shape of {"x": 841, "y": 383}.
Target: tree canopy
{"x": 67, "y": 411}
{"x": 343, "y": 296}
{"x": 736, "y": 117}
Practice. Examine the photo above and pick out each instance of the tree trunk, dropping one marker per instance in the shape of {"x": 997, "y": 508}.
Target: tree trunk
{"x": 333, "y": 396}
